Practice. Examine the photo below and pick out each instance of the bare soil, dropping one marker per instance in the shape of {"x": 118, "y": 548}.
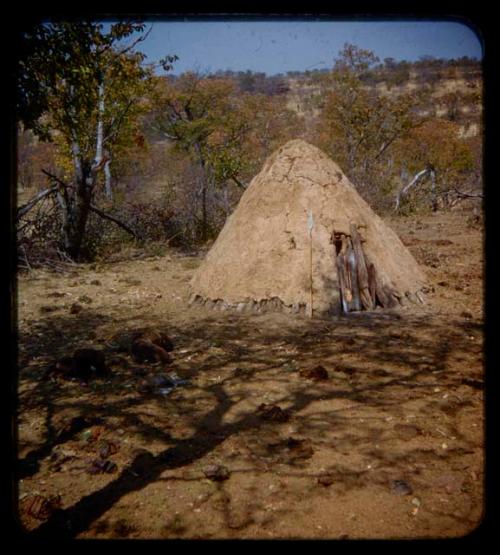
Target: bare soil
{"x": 389, "y": 445}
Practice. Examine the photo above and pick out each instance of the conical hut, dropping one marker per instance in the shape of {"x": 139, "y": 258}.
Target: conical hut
{"x": 302, "y": 240}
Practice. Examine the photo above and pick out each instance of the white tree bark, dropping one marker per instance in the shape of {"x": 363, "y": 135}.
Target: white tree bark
{"x": 416, "y": 179}
{"x": 100, "y": 127}
{"x": 107, "y": 180}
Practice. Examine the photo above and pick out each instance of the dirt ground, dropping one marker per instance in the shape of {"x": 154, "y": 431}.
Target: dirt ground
{"x": 390, "y": 445}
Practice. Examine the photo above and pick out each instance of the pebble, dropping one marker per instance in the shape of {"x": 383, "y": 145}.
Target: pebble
{"x": 216, "y": 472}
{"x": 400, "y": 487}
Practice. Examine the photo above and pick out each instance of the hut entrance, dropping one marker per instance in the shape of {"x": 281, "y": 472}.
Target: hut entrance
{"x": 359, "y": 287}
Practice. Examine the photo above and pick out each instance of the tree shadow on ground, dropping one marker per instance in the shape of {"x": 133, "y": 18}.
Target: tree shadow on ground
{"x": 375, "y": 362}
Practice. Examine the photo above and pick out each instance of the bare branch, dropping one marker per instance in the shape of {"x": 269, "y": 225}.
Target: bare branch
{"x": 55, "y": 178}
{"x": 418, "y": 177}
{"x": 467, "y": 195}
{"x": 238, "y": 182}
{"x": 114, "y": 220}
{"x": 116, "y": 123}
{"x": 22, "y": 210}
{"x": 135, "y": 43}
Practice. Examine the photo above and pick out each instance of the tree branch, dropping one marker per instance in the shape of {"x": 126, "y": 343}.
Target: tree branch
{"x": 22, "y": 210}
{"x": 420, "y": 175}
{"x": 467, "y": 195}
{"x": 116, "y": 123}
{"x": 238, "y": 182}
{"x": 114, "y": 220}
{"x": 55, "y": 178}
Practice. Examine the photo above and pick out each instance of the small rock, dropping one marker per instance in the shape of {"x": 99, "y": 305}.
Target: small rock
{"x": 216, "y": 472}
{"x": 85, "y": 299}
{"x": 95, "y": 282}
{"x": 100, "y": 467}
{"x": 466, "y": 314}
{"x": 272, "y": 413}
{"x": 76, "y": 308}
{"x": 161, "y": 380}
{"x": 317, "y": 373}
{"x": 400, "y": 487}
{"x": 242, "y": 372}
{"x": 165, "y": 390}
{"x": 56, "y": 294}
{"x": 326, "y": 480}
{"x": 48, "y": 308}
{"x": 86, "y": 435}
{"x": 107, "y": 448}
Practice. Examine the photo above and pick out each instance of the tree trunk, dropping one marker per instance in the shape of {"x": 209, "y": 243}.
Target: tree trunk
{"x": 107, "y": 180}
{"x": 77, "y": 207}
{"x": 75, "y": 218}
{"x": 203, "y": 192}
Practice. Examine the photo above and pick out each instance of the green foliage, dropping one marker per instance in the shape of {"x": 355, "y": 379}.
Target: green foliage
{"x": 359, "y": 125}
{"x": 61, "y": 67}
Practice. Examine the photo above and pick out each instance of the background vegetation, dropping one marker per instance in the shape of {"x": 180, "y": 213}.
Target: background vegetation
{"x": 113, "y": 154}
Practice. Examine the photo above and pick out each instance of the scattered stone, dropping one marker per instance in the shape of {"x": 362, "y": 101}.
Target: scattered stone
{"x": 400, "y": 487}
{"x": 76, "y": 308}
{"x": 318, "y": 373}
{"x": 299, "y": 448}
{"x": 165, "y": 390}
{"x": 345, "y": 370}
{"x": 163, "y": 384}
{"x": 466, "y": 314}
{"x": 48, "y": 308}
{"x": 71, "y": 426}
{"x": 291, "y": 450}
{"x": 161, "y": 380}
{"x": 85, "y": 299}
{"x": 57, "y": 461}
{"x": 216, "y": 472}
{"x": 95, "y": 282}
{"x": 326, "y": 480}
{"x": 92, "y": 434}
{"x": 242, "y": 372}
{"x": 443, "y": 283}
{"x": 107, "y": 448}
{"x": 152, "y": 346}
{"x": 39, "y": 506}
{"x": 55, "y": 294}
{"x": 98, "y": 466}
{"x": 272, "y": 413}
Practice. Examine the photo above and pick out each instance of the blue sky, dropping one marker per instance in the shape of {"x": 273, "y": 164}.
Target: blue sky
{"x": 280, "y": 46}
